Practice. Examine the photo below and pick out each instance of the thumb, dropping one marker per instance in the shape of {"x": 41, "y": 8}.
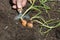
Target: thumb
{"x": 19, "y": 3}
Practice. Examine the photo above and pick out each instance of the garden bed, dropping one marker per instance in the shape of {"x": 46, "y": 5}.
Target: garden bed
{"x": 11, "y": 30}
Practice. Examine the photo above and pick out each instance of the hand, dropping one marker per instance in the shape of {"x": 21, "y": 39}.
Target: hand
{"x": 19, "y": 3}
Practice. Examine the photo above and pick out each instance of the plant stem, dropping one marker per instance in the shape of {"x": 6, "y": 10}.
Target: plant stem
{"x": 26, "y": 11}
{"x": 36, "y": 16}
{"x": 43, "y": 24}
{"x": 47, "y": 30}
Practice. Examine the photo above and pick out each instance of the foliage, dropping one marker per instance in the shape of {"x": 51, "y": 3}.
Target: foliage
{"x": 50, "y": 24}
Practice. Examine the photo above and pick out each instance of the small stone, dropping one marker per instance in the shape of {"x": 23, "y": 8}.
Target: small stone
{"x": 57, "y": 18}
{"x": 6, "y": 27}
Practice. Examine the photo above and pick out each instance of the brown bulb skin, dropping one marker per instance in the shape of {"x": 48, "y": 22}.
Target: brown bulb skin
{"x": 30, "y": 24}
{"x": 24, "y": 22}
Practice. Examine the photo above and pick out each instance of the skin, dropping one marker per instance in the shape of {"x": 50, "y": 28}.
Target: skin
{"x": 19, "y": 3}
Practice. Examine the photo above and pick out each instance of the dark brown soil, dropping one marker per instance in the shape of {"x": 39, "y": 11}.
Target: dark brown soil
{"x": 11, "y": 30}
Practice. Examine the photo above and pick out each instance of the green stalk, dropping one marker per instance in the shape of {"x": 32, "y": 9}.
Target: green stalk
{"x": 43, "y": 24}
{"x": 47, "y": 25}
{"x": 36, "y": 16}
{"x": 47, "y": 30}
{"x": 26, "y": 11}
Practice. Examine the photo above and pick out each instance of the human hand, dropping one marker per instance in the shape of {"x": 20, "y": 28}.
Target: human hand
{"x": 19, "y": 3}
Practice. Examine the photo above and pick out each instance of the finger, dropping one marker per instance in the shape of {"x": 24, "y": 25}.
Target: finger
{"x": 14, "y": 1}
{"x": 19, "y": 3}
{"x": 24, "y": 3}
{"x": 14, "y": 7}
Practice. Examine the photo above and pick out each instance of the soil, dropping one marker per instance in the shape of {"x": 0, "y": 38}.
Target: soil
{"x": 11, "y": 30}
